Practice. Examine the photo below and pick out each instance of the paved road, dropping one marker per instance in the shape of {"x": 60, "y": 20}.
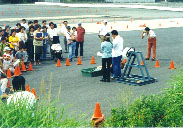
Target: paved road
{"x": 83, "y": 92}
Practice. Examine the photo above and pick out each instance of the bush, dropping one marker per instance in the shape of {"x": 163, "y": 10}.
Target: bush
{"x": 165, "y": 110}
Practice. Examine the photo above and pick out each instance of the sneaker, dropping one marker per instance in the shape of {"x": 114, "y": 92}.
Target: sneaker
{"x": 153, "y": 59}
{"x": 146, "y": 58}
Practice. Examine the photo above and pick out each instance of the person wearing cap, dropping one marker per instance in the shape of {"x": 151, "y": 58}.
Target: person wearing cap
{"x": 38, "y": 44}
{"x": 80, "y": 40}
{"x": 106, "y": 50}
{"x": 64, "y": 31}
{"x": 71, "y": 41}
{"x": 22, "y": 36}
{"x": 7, "y": 60}
{"x": 14, "y": 41}
{"x": 103, "y": 30}
{"x": 52, "y": 31}
{"x": 116, "y": 53}
{"x": 151, "y": 43}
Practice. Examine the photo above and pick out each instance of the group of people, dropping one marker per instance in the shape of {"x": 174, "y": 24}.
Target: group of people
{"x": 112, "y": 51}
{"x": 32, "y": 42}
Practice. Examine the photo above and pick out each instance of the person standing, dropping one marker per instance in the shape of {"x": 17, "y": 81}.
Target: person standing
{"x": 29, "y": 44}
{"x": 106, "y": 49}
{"x": 103, "y": 30}
{"x": 24, "y": 24}
{"x": 45, "y": 42}
{"x": 116, "y": 53}
{"x": 64, "y": 31}
{"x": 151, "y": 43}
{"x": 22, "y": 36}
{"x": 71, "y": 40}
{"x": 52, "y": 32}
{"x": 80, "y": 40}
{"x": 38, "y": 44}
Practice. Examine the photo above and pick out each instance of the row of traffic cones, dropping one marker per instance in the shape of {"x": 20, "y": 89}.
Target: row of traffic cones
{"x": 18, "y": 71}
{"x": 78, "y": 62}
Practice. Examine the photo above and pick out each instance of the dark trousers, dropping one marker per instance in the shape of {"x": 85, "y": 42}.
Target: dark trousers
{"x": 116, "y": 64}
{"x": 106, "y": 63}
{"x": 38, "y": 52}
{"x": 65, "y": 43}
{"x": 81, "y": 48}
{"x": 30, "y": 52}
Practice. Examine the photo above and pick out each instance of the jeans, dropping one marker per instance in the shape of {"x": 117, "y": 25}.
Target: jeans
{"x": 72, "y": 48}
{"x": 106, "y": 63}
{"x": 116, "y": 64}
{"x": 65, "y": 43}
{"x": 45, "y": 45}
{"x": 81, "y": 48}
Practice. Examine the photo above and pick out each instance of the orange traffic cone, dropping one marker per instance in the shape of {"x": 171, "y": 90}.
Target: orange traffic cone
{"x": 16, "y": 72}
{"x": 142, "y": 63}
{"x": 67, "y": 62}
{"x": 34, "y": 92}
{"x": 79, "y": 61}
{"x": 23, "y": 67}
{"x": 28, "y": 88}
{"x": 97, "y": 117}
{"x": 8, "y": 84}
{"x": 8, "y": 73}
{"x": 30, "y": 67}
{"x": 93, "y": 60}
{"x": 172, "y": 65}
{"x": 125, "y": 60}
{"x": 157, "y": 64}
{"x": 58, "y": 63}
{"x": 19, "y": 72}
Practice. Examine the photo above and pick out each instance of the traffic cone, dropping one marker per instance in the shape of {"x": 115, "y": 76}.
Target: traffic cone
{"x": 30, "y": 67}
{"x": 172, "y": 65}
{"x": 8, "y": 73}
{"x": 125, "y": 60}
{"x": 16, "y": 72}
{"x": 58, "y": 63}
{"x": 23, "y": 67}
{"x": 142, "y": 63}
{"x": 28, "y": 88}
{"x": 19, "y": 72}
{"x": 127, "y": 26}
{"x": 67, "y": 62}
{"x": 79, "y": 61}
{"x": 8, "y": 84}
{"x": 93, "y": 60}
{"x": 16, "y": 12}
{"x": 157, "y": 64}
{"x": 97, "y": 117}
{"x": 34, "y": 92}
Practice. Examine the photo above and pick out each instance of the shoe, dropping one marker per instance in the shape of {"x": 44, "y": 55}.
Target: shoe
{"x": 113, "y": 78}
{"x": 103, "y": 80}
{"x": 146, "y": 58}
{"x": 153, "y": 59}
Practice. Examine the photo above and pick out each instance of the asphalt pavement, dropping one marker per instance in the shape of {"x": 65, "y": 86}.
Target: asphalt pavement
{"x": 78, "y": 93}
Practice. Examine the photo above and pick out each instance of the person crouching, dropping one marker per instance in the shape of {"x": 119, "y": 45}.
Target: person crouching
{"x": 106, "y": 48}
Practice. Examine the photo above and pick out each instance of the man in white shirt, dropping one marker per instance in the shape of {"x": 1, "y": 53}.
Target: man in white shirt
{"x": 103, "y": 30}
{"x": 64, "y": 31}
{"x": 151, "y": 42}
{"x": 116, "y": 54}
{"x": 52, "y": 32}
{"x": 24, "y": 24}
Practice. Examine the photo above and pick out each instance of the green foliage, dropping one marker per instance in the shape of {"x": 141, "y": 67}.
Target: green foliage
{"x": 165, "y": 110}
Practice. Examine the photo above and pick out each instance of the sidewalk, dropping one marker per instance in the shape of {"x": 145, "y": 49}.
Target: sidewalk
{"x": 113, "y": 6}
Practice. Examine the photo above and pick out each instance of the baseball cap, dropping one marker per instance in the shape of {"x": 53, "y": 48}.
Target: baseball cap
{"x": 105, "y": 21}
{"x": 79, "y": 24}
